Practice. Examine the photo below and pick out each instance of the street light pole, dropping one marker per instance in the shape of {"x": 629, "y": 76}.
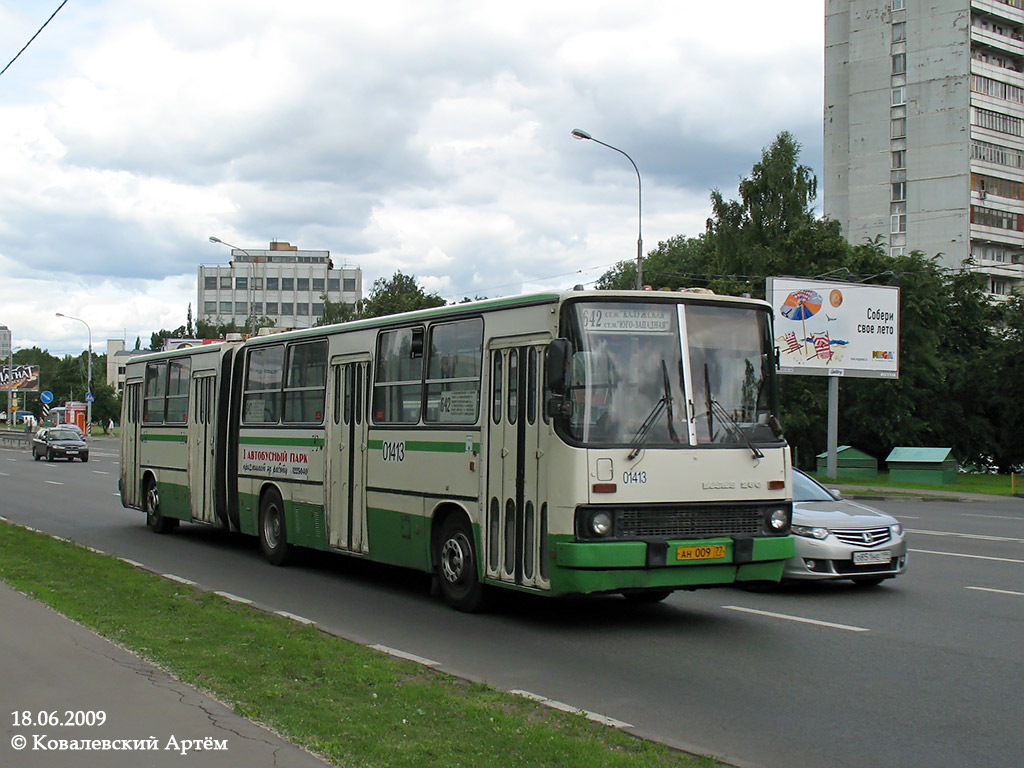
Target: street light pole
{"x": 89, "y": 395}
{"x": 584, "y": 136}
{"x": 250, "y": 290}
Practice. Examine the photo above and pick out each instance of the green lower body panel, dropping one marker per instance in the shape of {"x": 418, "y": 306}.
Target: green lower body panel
{"x": 399, "y": 538}
{"x": 174, "y": 501}
{"x": 305, "y": 523}
{"x": 588, "y": 567}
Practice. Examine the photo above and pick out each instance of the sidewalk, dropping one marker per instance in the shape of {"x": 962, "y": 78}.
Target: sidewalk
{"x": 52, "y": 669}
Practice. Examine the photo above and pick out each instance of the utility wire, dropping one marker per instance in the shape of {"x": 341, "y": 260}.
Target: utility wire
{"x": 33, "y": 38}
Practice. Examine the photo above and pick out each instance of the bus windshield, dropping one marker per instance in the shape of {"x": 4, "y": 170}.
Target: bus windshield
{"x": 670, "y": 374}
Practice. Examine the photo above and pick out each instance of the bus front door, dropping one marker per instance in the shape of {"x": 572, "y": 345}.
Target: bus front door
{"x": 131, "y": 423}
{"x": 344, "y": 484}
{"x": 515, "y": 535}
{"x": 201, "y": 466}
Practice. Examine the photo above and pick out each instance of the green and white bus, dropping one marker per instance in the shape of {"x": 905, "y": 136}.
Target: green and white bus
{"x": 562, "y": 443}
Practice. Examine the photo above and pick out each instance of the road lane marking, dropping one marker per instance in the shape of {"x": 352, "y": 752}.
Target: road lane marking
{"x": 99, "y": 472}
{"x": 53, "y": 482}
{"x": 407, "y": 656}
{"x": 799, "y": 619}
{"x": 997, "y": 591}
{"x": 994, "y": 517}
{"x": 975, "y": 536}
{"x": 972, "y": 557}
{"x": 562, "y": 707}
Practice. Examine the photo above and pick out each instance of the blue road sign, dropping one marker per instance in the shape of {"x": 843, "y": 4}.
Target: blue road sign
{"x": 90, "y": 397}
{"x": 46, "y": 396}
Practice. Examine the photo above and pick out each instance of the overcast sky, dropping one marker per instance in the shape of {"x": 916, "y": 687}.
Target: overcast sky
{"x": 416, "y": 135}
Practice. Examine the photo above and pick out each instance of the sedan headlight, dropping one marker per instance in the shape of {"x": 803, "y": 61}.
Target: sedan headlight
{"x": 811, "y": 532}
{"x": 896, "y": 530}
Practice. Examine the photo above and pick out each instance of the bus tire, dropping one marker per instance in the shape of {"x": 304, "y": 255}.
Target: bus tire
{"x": 273, "y": 529}
{"x": 151, "y": 505}
{"x": 456, "y": 566}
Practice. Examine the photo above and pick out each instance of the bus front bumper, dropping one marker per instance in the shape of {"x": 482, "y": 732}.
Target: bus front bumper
{"x": 587, "y": 567}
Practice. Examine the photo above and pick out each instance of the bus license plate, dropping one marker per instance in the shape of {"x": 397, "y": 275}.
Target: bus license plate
{"x": 713, "y": 552}
{"x": 872, "y": 558}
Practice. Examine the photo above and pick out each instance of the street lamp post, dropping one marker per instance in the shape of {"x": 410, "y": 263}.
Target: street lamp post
{"x": 89, "y": 395}
{"x": 10, "y": 386}
{"x": 250, "y": 290}
{"x": 584, "y": 136}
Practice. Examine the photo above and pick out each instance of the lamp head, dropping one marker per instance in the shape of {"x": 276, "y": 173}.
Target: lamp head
{"x": 215, "y": 239}
{"x": 578, "y": 133}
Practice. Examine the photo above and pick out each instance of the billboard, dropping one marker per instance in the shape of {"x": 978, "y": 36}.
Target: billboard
{"x": 20, "y": 378}
{"x": 836, "y": 329}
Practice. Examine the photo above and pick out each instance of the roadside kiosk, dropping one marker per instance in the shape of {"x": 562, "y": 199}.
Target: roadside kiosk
{"x": 934, "y": 466}
{"x": 849, "y": 463}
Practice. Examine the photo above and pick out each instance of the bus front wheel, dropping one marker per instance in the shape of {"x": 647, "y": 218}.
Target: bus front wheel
{"x": 151, "y": 504}
{"x": 273, "y": 530}
{"x": 457, "y": 566}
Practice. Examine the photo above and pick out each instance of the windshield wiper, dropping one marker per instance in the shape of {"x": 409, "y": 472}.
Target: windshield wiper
{"x": 731, "y": 424}
{"x": 664, "y": 404}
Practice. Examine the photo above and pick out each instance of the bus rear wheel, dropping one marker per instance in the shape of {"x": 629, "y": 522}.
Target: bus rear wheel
{"x": 274, "y": 530}
{"x": 151, "y": 505}
{"x": 457, "y": 566}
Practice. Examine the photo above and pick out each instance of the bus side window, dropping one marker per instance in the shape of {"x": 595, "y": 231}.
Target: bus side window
{"x": 496, "y": 381}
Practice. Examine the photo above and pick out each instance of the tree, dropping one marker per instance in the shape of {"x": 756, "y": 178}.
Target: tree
{"x": 960, "y": 372}
{"x": 335, "y": 312}
{"x": 399, "y": 294}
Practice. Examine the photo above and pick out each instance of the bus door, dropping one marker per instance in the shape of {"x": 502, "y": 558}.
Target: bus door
{"x": 344, "y": 484}
{"x": 515, "y": 533}
{"x": 202, "y": 425}
{"x": 131, "y": 423}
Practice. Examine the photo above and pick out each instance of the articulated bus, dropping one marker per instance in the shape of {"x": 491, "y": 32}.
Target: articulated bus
{"x": 562, "y": 443}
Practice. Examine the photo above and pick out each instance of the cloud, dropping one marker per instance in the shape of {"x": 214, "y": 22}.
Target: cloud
{"x": 431, "y": 137}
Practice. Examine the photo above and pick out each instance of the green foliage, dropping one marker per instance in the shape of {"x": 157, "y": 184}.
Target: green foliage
{"x": 401, "y": 293}
{"x": 960, "y": 371}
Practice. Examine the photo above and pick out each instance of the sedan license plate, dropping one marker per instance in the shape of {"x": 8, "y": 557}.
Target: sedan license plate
{"x": 881, "y": 557}
{"x": 712, "y": 552}
{"x": 71, "y": 453}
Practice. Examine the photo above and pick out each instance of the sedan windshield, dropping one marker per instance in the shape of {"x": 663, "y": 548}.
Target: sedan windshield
{"x": 62, "y": 434}
{"x": 668, "y": 374}
{"x": 807, "y": 489}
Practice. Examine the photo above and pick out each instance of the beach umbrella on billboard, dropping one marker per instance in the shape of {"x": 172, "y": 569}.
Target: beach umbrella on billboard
{"x": 800, "y": 305}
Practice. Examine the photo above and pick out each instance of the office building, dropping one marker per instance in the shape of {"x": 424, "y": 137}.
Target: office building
{"x": 282, "y": 283}
{"x": 117, "y": 360}
{"x": 924, "y": 129}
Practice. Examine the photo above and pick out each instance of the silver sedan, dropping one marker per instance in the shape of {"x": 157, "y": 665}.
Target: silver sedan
{"x": 839, "y": 539}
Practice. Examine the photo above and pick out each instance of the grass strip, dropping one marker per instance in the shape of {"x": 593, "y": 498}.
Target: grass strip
{"x": 352, "y": 705}
{"x": 994, "y": 485}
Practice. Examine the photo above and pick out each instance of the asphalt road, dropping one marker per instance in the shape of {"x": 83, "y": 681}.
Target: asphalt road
{"x": 925, "y": 670}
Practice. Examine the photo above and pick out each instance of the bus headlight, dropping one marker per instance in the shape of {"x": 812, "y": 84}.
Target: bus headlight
{"x": 601, "y": 523}
{"x": 778, "y": 520}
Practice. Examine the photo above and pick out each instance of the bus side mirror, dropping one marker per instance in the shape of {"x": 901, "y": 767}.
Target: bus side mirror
{"x": 556, "y": 378}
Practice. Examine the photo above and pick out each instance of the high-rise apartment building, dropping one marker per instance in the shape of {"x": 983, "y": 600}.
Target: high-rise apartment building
{"x": 282, "y": 283}
{"x": 924, "y": 129}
